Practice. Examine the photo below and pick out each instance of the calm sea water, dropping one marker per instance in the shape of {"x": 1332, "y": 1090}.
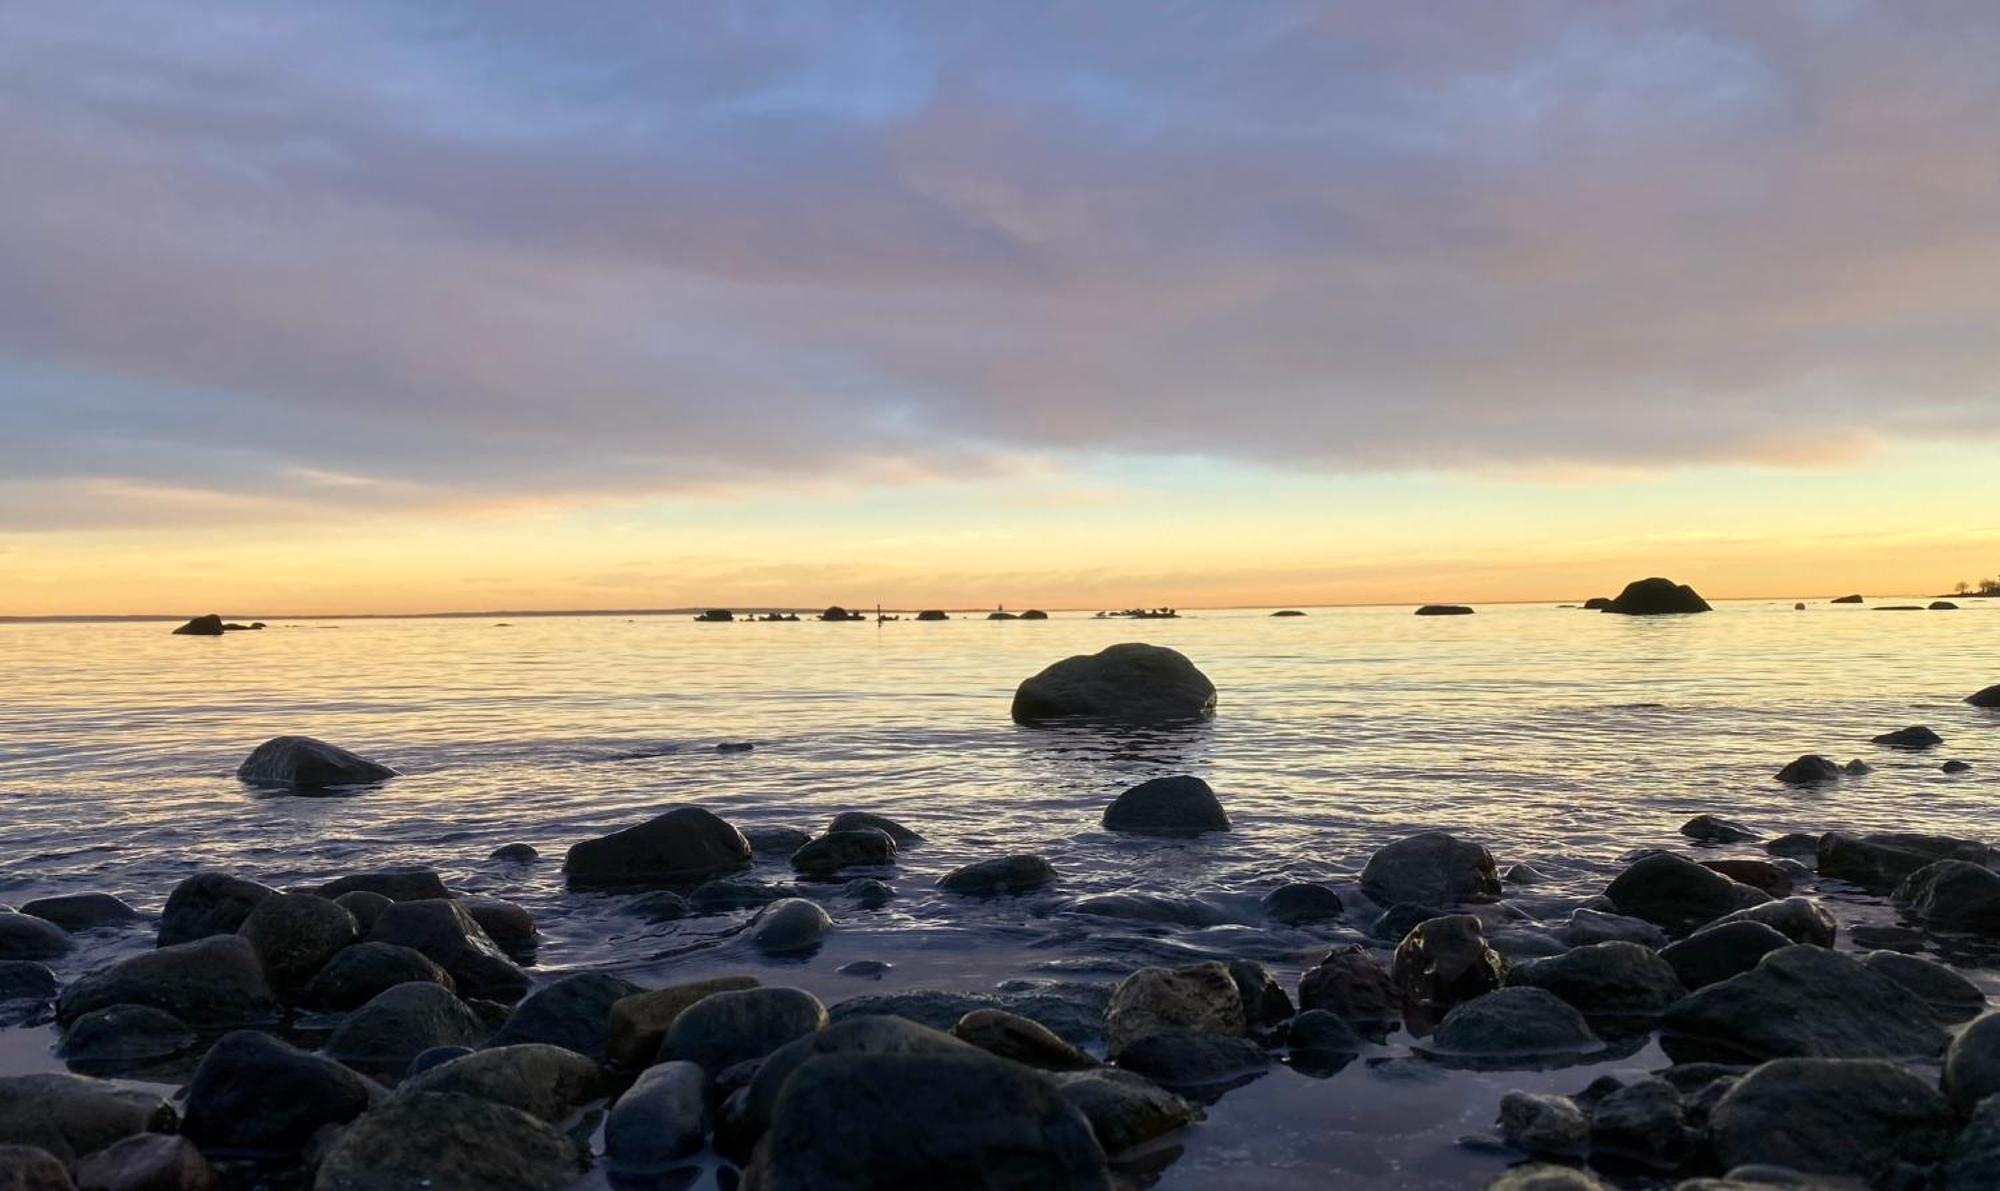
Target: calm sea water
{"x": 1557, "y": 737}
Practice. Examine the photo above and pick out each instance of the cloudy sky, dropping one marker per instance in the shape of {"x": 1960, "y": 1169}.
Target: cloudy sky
{"x": 387, "y": 307}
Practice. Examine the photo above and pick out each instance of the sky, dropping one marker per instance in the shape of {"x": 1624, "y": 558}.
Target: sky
{"x": 370, "y": 307}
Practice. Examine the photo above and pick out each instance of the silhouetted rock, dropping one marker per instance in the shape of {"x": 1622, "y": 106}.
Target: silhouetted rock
{"x": 147, "y": 1162}
{"x": 1713, "y": 829}
{"x": 254, "y": 1094}
{"x": 1444, "y": 610}
{"x": 932, "y": 614}
{"x": 1004, "y": 874}
{"x": 1801, "y": 1002}
{"x": 1882, "y": 860}
{"x": 1172, "y": 806}
{"x": 448, "y": 1142}
{"x": 201, "y": 626}
{"x": 1912, "y": 739}
{"x": 790, "y": 926}
{"x": 684, "y": 846}
{"x": 573, "y": 1013}
{"x": 1846, "y": 599}
{"x": 1034, "y": 614}
{"x": 515, "y": 854}
{"x": 73, "y": 1115}
{"x": 1852, "y": 1118}
{"x": 1989, "y": 697}
{"x": 1942, "y": 606}
{"x": 1761, "y": 875}
{"x": 836, "y": 612}
{"x": 661, "y": 1120}
{"x": 209, "y": 903}
{"x": 215, "y": 981}
{"x": 81, "y": 911}
{"x": 1303, "y": 902}
{"x": 859, "y": 820}
{"x": 1952, "y": 895}
{"x": 1435, "y": 868}
{"x": 302, "y": 763}
{"x": 836, "y": 850}
{"x": 380, "y": 1038}
{"x": 1677, "y": 894}
{"x": 1131, "y": 683}
{"x": 1001, "y": 616}
{"x": 1288, "y": 612}
{"x": 1811, "y": 769}
{"x": 1949, "y": 996}
{"x": 1654, "y": 597}
{"x": 1955, "y": 767}
{"x": 1597, "y": 604}
{"x": 397, "y": 884}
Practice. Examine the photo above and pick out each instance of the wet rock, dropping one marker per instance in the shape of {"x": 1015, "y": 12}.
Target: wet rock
{"x": 1914, "y": 738}
{"x": 1644, "y": 1123}
{"x": 865, "y": 969}
{"x": 770, "y": 842}
{"x": 1952, "y": 895}
{"x": 511, "y": 927}
{"x": 1881, "y": 861}
{"x": 147, "y": 1162}
{"x": 366, "y": 907}
{"x": 1011, "y": 1036}
{"x": 1716, "y": 953}
{"x": 1004, "y": 874}
{"x": 638, "y": 1024}
{"x": 868, "y": 893}
{"x": 1195, "y": 1062}
{"x": 1972, "y": 1065}
{"x": 118, "y": 1038}
{"x": 1202, "y": 998}
{"x": 201, "y": 626}
{"x": 29, "y": 1168}
{"x": 1150, "y": 907}
{"x": 546, "y": 1082}
{"x": 1125, "y": 1109}
{"x": 837, "y": 850}
{"x": 790, "y": 926}
{"x": 747, "y": 1117}
{"x": 211, "y": 982}
{"x": 1768, "y": 877}
{"x": 25, "y": 937}
{"x": 684, "y": 846}
{"x": 1956, "y": 767}
{"x": 81, "y": 911}
{"x": 1949, "y": 996}
{"x": 73, "y": 1115}
{"x": 1543, "y": 1124}
{"x": 302, "y": 763}
{"x": 1435, "y": 869}
{"x": 1443, "y": 962}
{"x": 980, "y": 1121}
{"x": 446, "y": 1142}
{"x": 294, "y": 935}
{"x": 1301, "y": 903}
{"x": 444, "y": 931}
{"x": 1264, "y": 1000}
{"x": 1444, "y": 610}
{"x": 726, "y": 1028}
{"x": 1132, "y": 683}
{"x": 661, "y": 905}
{"x": 1795, "y": 845}
{"x": 1990, "y": 697}
{"x": 209, "y": 903}
{"x": 1809, "y": 770}
{"x": 1317, "y": 1032}
{"x": 1169, "y": 806}
{"x": 660, "y": 1120}
{"x": 1587, "y": 926}
{"x": 1541, "y": 1176}
{"x": 1352, "y": 985}
{"x": 380, "y": 1038}
{"x": 1403, "y": 918}
{"x": 1801, "y": 1002}
{"x": 1523, "y": 874}
{"x": 515, "y": 854}
{"x": 1713, "y": 829}
{"x": 1799, "y": 919}
{"x": 26, "y": 980}
{"x": 1510, "y": 1027}
{"x": 865, "y": 821}
{"x": 1858, "y": 1118}
{"x": 1677, "y": 894}
{"x": 1605, "y": 979}
{"x": 573, "y": 1013}
{"x": 436, "y": 1056}
{"x": 721, "y": 897}
{"x": 254, "y": 1095}
{"x": 397, "y": 884}
{"x": 1656, "y": 597}
{"x": 358, "y": 974}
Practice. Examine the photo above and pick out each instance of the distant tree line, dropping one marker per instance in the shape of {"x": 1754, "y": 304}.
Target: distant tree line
{"x": 1985, "y": 587}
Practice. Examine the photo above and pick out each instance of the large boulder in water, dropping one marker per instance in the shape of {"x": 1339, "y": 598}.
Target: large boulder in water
{"x": 1990, "y": 697}
{"x": 1656, "y": 597}
{"x": 1882, "y": 860}
{"x": 1802, "y": 1002}
{"x": 1677, "y": 894}
{"x": 215, "y": 982}
{"x": 26, "y": 937}
{"x": 1952, "y": 895}
{"x": 684, "y": 846}
{"x": 1182, "y": 805}
{"x": 209, "y": 903}
{"x": 381, "y": 1037}
{"x": 302, "y": 763}
{"x": 1353, "y": 986}
{"x": 1859, "y": 1119}
{"x": 201, "y": 626}
{"x": 1433, "y": 869}
{"x": 446, "y": 1141}
{"x": 1129, "y": 683}
{"x": 1513, "y": 1027}
{"x": 1809, "y": 770}
{"x": 1619, "y": 980}
{"x": 1021, "y": 873}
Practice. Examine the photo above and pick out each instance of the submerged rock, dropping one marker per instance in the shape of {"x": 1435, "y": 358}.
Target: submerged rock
{"x": 448, "y": 1142}
{"x": 1543, "y": 1124}
{"x": 836, "y": 850}
{"x": 1192, "y": 1061}
{"x": 209, "y": 903}
{"x": 1202, "y": 998}
{"x": 1914, "y": 738}
{"x": 215, "y": 981}
{"x": 81, "y": 911}
{"x": 1654, "y": 597}
{"x": 1444, "y": 610}
{"x": 1952, "y": 895}
{"x": 1021, "y": 873}
{"x": 789, "y": 926}
{"x": 302, "y": 763}
{"x": 1989, "y": 697}
{"x": 1518, "y": 1026}
{"x": 515, "y": 854}
{"x": 1802, "y": 1002}
{"x": 1857, "y": 1118}
{"x": 1133, "y": 683}
{"x": 736, "y": 893}
{"x": 1443, "y": 962}
{"x": 1809, "y": 770}
{"x": 1435, "y": 868}
{"x": 1351, "y": 984}
{"x": 1677, "y": 894}
{"x": 683, "y": 846}
{"x": 864, "y": 820}
{"x": 252, "y": 1094}
{"x": 1171, "y": 806}
{"x": 573, "y": 1013}
{"x": 1125, "y": 1109}
{"x": 1301, "y": 903}
{"x": 25, "y": 937}
{"x": 1882, "y": 860}
{"x": 1714, "y": 829}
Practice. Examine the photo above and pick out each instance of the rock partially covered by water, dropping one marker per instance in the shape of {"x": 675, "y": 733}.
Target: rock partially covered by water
{"x": 1303, "y": 902}
{"x": 546, "y": 1082}
{"x": 1445, "y": 961}
{"x": 73, "y": 1115}
{"x": 252, "y": 1094}
{"x": 659, "y": 1121}
{"x": 727, "y": 1028}
{"x": 1540, "y": 1124}
{"x": 119, "y": 1039}
{"x": 1587, "y": 926}
{"x": 26, "y": 980}
{"x": 1714, "y": 829}
{"x": 639, "y": 1023}
{"x": 1435, "y": 868}
{"x": 380, "y": 1038}
{"x": 81, "y": 911}
{"x": 790, "y": 926}
{"x": 358, "y": 974}
{"x": 1605, "y": 979}
{"x": 1722, "y": 950}
{"x": 302, "y": 763}
{"x": 1195, "y": 1063}
{"x": 1021, "y": 873}
{"x": 1677, "y": 894}
{"x": 410, "y": 884}
{"x": 443, "y": 930}
{"x": 1171, "y": 806}
{"x": 1802, "y": 1002}
{"x": 1655, "y": 597}
{"x": 448, "y": 1142}
{"x": 1952, "y": 895}
{"x": 1853, "y": 1118}
{"x": 1809, "y": 770}
{"x": 294, "y": 935}
{"x": 1513, "y": 1027}
{"x": 25, "y": 937}
{"x": 202, "y": 626}
{"x": 1125, "y": 1109}
{"x": 1444, "y": 610}
{"x": 836, "y": 850}
{"x": 147, "y": 1162}
{"x": 1352, "y": 985}
{"x": 1012, "y": 1036}
{"x": 685, "y": 846}
{"x": 863, "y": 820}
{"x": 1882, "y": 860}
{"x": 1914, "y": 738}
{"x": 209, "y": 903}
{"x": 1643, "y": 1123}
{"x": 1799, "y": 919}
{"x": 1130, "y": 683}
{"x": 215, "y": 981}
{"x": 1202, "y": 998}
{"x": 573, "y": 1013}
{"x": 1990, "y": 697}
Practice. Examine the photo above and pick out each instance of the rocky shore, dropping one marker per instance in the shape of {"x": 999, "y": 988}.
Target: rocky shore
{"x": 379, "y": 1028}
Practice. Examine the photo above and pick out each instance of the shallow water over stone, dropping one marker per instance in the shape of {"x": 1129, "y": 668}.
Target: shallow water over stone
{"x": 1559, "y": 738}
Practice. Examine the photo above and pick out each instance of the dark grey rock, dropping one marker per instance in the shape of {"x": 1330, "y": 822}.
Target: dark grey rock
{"x": 358, "y": 974}
{"x": 1020, "y": 873}
{"x": 73, "y": 1115}
{"x": 1722, "y": 950}
{"x": 1799, "y": 919}
{"x": 1012, "y": 1036}
{"x": 1713, "y": 829}
{"x": 1677, "y": 894}
{"x": 727, "y": 1028}
{"x": 26, "y": 980}
{"x": 866, "y": 969}
{"x": 81, "y": 911}
{"x": 861, "y": 1034}
{"x": 119, "y": 1038}
{"x": 454, "y": 940}
{"x": 790, "y": 926}
{"x": 212, "y": 982}
{"x": 510, "y": 926}
{"x": 1125, "y": 1109}
{"x": 365, "y": 906}
{"x": 1952, "y": 895}
{"x": 1989, "y": 697}
{"x": 1882, "y": 860}
{"x": 1856, "y": 767}
{"x": 1443, "y": 962}
{"x": 547, "y": 1082}
{"x": 836, "y": 850}
{"x": 1914, "y": 738}
{"x": 1352, "y": 984}
{"x": 1973, "y": 1161}
{"x": 30, "y": 1168}
{"x": 864, "y": 820}
{"x": 302, "y": 763}
{"x": 868, "y": 893}
{"x": 209, "y": 903}
{"x": 1401, "y": 919}
{"x": 1855, "y": 1118}
{"x": 1770, "y": 877}
{"x": 1435, "y": 869}
{"x": 661, "y": 905}
{"x": 736, "y": 893}
{"x": 254, "y": 1095}
{"x": 294, "y": 935}
{"x": 25, "y": 937}
{"x": 1301, "y": 903}
{"x": 1131, "y": 683}
{"x": 661, "y": 1120}
{"x": 769, "y": 842}
{"x": 1169, "y": 806}
{"x": 447, "y": 1142}
{"x": 147, "y": 1162}
{"x": 1956, "y": 767}
{"x": 638, "y": 1024}
{"x": 1587, "y": 926}
{"x": 1543, "y": 1176}
{"x": 1202, "y": 998}
{"x": 436, "y": 1056}
{"x": 1795, "y": 845}
{"x": 1318, "y": 1032}
{"x": 1809, "y": 770}
{"x": 1191, "y": 1060}
{"x": 1150, "y": 907}
{"x": 1540, "y": 1124}
{"x": 682, "y": 847}
{"x": 1519, "y": 1026}
{"x": 411, "y": 884}
{"x": 515, "y": 854}
{"x": 1644, "y": 1123}
{"x": 573, "y": 1013}
{"x": 1605, "y": 979}
{"x": 380, "y": 1038}
{"x": 1801, "y": 1002}
{"x": 1948, "y": 995}
{"x": 1264, "y": 999}
{"x": 1972, "y": 1065}
{"x": 1656, "y": 597}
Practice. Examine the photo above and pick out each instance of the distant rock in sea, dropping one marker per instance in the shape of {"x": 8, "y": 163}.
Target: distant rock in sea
{"x": 1846, "y": 599}
{"x": 1990, "y": 697}
{"x": 1288, "y": 612}
{"x": 1131, "y": 682}
{"x": 1444, "y": 610}
{"x": 1943, "y": 606}
{"x": 302, "y": 763}
{"x": 1657, "y": 597}
{"x": 932, "y": 614}
{"x": 716, "y": 616}
{"x": 1899, "y": 607}
{"x": 836, "y": 612}
{"x": 1001, "y": 616}
{"x": 1034, "y": 614}
{"x": 1597, "y": 604}
{"x": 201, "y": 626}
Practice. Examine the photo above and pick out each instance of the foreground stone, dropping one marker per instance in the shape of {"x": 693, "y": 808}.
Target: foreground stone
{"x": 1973, "y": 1162}
{"x": 73, "y": 1115}
{"x": 546, "y": 1082}
{"x": 1169, "y": 806}
{"x": 28, "y": 1168}
{"x": 25, "y": 937}
{"x": 684, "y": 846}
{"x": 1021, "y": 873}
{"x": 381, "y": 1037}
{"x": 573, "y": 1013}
{"x": 661, "y": 1120}
{"x": 1202, "y": 998}
{"x": 1131, "y": 683}
{"x": 1857, "y": 1118}
{"x": 1952, "y": 895}
{"x": 1540, "y": 1124}
{"x": 727, "y": 1028}
{"x": 1972, "y": 1065}
{"x": 442, "y": 929}
{"x": 1677, "y": 894}
{"x": 1125, "y": 1109}
{"x": 209, "y": 903}
{"x": 446, "y": 1142}
{"x": 1881, "y": 861}
{"x": 1606, "y": 979}
{"x": 1433, "y": 869}
{"x": 253, "y": 1095}
{"x": 147, "y": 1162}
{"x": 294, "y": 935}
{"x": 302, "y": 763}
{"x": 412, "y": 884}
{"x": 1353, "y": 986}
{"x": 123, "y": 1038}
{"x": 638, "y": 1024}
{"x": 214, "y": 982}
{"x": 859, "y": 820}
{"x": 1802, "y": 1002}
{"x": 1011, "y": 1036}
{"x": 359, "y": 974}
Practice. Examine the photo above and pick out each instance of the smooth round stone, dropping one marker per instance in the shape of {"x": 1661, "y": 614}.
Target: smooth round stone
{"x": 1521, "y": 1025}
{"x": 209, "y": 903}
{"x": 1434, "y": 868}
{"x": 26, "y": 980}
{"x": 384, "y": 1035}
{"x": 546, "y": 1082}
{"x": 868, "y": 892}
{"x": 789, "y": 926}
{"x": 124, "y": 1034}
{"x": 515, "y": 854}
{"x": 436, "y": 1056}
{"x": 726, "y": 1028}
{"x": 255, "y": 1094}
{"x": 573, "y": 1012}
{"x": 1129, "y": 683}
{"x": 682, "y": 847}
{"x": 25, "y": 937}
{"x": 1021, "y": 873}
{"x": 661, "y": 905}
{"x": 358, "y": 974}
{"x": 212, "y": 982}
{"x": 147, "y": 1162}
{"x": 1301, "y": 903}
{"x": 860, "y": 820}
{"x": 82, "y": 911}
{"x": 302, "y": 763}
{"x": 294, "y": 935}
{"x": 1170, "y": 806}
{"x": 1949, "y": 995}
{"x": 865, "y": 969}
{"x": 452, "y": 1142}
{"x": 836, "y": 850}
{"x": 365, "y": 905}
{"x": 661, "y": 1120}
{"x": 1012, "y": 1036}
